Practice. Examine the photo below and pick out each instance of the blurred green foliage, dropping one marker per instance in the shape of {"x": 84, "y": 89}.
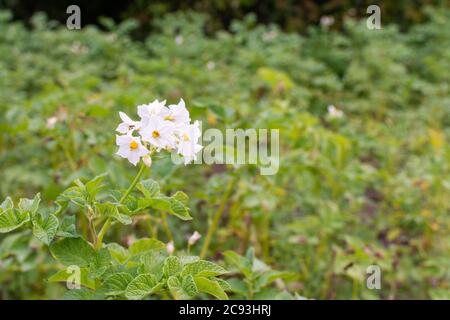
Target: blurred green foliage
{"x": 371, "y": 187}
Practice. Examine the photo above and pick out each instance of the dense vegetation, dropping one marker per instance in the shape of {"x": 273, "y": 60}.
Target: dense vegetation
{"x": 371, "y": 187}
{"x": 290, "y": 15}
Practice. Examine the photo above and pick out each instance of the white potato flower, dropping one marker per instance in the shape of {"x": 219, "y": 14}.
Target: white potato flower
{"x": 131, "y": 148}
{"x": 127, "y": 125}
{"x": 176, "y": 113}
{"x": 159, "y": 133}
{"x": 188, "y": 146}
{"x": 160, "y": 127}
{"x": 334, "y": 112}
{"x": 147, "y": 111}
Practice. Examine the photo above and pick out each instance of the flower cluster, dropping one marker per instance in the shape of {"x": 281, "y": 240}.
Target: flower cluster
{"x": 160, "y": 127}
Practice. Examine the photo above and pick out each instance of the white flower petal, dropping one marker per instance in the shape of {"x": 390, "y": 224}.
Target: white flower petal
{"x": 122, "y": 128}
{"x": 123, "y": 151}
{"x": 125, "y": 139}
{"x": 134, "y": 157}
{"x": 124, "y": 117}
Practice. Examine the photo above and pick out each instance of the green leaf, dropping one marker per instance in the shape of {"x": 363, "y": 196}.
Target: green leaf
{"x": 143, "y": 245}
{"x": 122, "y": 218}
{"x": 270, "y": 276}
{"x": 63, "y": 276}
{"x": 73, "y": 251}
{"x": 185, "y": 289}
{"x": 181, "y": 196}
{"x": 67, "y": 227}
{"x": 153, "y": 262}
{"x": 30, "y": 205}
{"x": 178, "y": 209}
{"x": 239, "y": 262}
{"x": 172, "y": 266}
{"x": 203, "y": 268}
{"x": 101, "y": 262}
{"x": 7, "y": 204}
{"x": 45, "y": 228}
{"x": 189, "y": 286}
{"x": 117, "y": 283}
{"x": 188, "y": 259}
{"x": 225, "y": 285}
{"x": 173, "y": 205}
{"x": 159, "y": 203}
{"x": 149, "y": 188}
{"x": 211, "y": 287}
{"x": 110, "y": 209}
{"x": 94, "y": 186}
{"x": 175, "y": 288}
{"x": 61, "y": 204}
{"x": 75, "y": 195}
{"x": 119, "y": 253}
{"x": 11, "y": 219}
{"x": 141, "y": 286}
{"x": 78, "y": 294}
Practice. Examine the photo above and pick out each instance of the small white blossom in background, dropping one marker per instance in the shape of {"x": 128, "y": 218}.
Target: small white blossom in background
{"x": 160, "y": 128}
{"x": 179, "y": 39}
{"x": 269, "y": 36}
{"x": 334, "y": 112}
{"x": 326, "y": 21}
{"x": 194, "y": 238}
{"x": 170, "y": 247}
{"x": 210, "y": 65}
{"x": 51, "y": 122}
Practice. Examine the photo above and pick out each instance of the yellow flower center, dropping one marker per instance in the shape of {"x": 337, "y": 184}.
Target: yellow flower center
{"x": 169, "y": 118}
{"x": 133, "y": 145}
{"x": 155, "y": 134}
{"x": 185, "y": 137}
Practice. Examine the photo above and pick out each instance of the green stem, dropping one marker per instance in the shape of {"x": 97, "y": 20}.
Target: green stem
{"x": 133, "y": 184}
{"x": 70, "y": 160}
{"x": 101, "y": 234}
{"x": 166, "y": 226}
{"x": 216, "y": 219}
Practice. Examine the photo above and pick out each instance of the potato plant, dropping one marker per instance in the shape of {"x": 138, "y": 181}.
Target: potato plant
{"x": 108, "y": 270}
{"x": 364, "y": 154}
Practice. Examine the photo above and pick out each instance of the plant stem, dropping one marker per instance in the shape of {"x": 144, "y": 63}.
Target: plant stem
{"x": 166, "y": 226}
{"x": 84, "y": 226}
{"x": 216, "y": 219}
{"x": 133, "y": 184}
{"x": 105, "y": 227}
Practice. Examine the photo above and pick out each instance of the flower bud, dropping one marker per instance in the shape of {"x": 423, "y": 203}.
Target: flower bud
{"x": 170, "y": 247}
{"x": 147, "y": 160}
{"x": 194, "y": 238}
